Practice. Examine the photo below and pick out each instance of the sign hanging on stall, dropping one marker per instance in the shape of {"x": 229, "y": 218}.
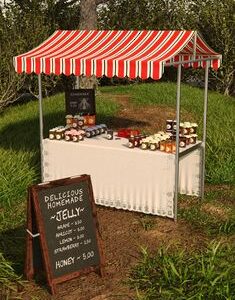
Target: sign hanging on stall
{"x": 63, "y": 238}
{"x": 80, "y": 101}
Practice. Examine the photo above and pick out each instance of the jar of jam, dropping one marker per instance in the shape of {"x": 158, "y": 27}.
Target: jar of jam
{"x": 59, "y": 134}
{"x": 52, "y": 133}
{"x": 187, "y": 127}
{"x": 174, "y": 125}
{"x": 169, "y": 125}
{"x": 137, "y": 139}
{"x": 131, "y": 143}
{"x": 187, "y": 139}
{"x": 193, "y": 138}
{"x": 69, "y": 120}
{"x": 75, "y": 121}
{"x": 162, "y": 145}
{"x": 81, "y": 134}
{"x": 80, "y": 121}
{"x": 103, "y": 128}
{"x": 182, "y": 141}
{"x": 109, "y": 134}
{"x": 144, "y": 145}
{"x": 154, "y": 144}
{"x": 67, "y": 135}
{"x": 181, "y": 128}
{"x": 193, "y": 129}
{"x": 88, "y": 133}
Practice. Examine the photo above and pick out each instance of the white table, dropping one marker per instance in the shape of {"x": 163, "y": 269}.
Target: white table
{"x": 132, "y": 179}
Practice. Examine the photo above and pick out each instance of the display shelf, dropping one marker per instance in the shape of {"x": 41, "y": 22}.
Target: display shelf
{"x": 189, "y": 149}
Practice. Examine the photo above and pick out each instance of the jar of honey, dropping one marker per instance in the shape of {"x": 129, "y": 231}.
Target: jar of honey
{"x": 168, "y": 146}
{"x": 173, "y": 146}
{"x": 162, "y": 145}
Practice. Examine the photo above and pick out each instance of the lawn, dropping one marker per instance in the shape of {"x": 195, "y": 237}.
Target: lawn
{"x": 20, "y": 167}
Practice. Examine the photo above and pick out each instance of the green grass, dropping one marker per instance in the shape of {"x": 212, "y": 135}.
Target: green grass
{"x": 169, "y": 275}
{"x": 215, "y": 215}
{"x": 11, "y": 285}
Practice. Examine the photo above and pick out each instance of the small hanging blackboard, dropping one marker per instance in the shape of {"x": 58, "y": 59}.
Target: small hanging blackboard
{"x": 63, "y": 236}
{"x": 80, "y": 101}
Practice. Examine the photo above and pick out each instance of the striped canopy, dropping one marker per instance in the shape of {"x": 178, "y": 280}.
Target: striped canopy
{"x": 116, "y": 53}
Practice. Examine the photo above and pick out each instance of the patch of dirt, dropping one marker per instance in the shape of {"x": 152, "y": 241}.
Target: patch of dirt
{"x": 123, "y": 236}
{"x": 216, "y": 211}
{"x": 147, "y": 118}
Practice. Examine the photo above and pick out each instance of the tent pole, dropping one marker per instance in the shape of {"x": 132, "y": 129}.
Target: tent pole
{"x": 40, "y": 120}
{"x": 194, "y": 45}
{"x": 177, "y": 142}
{"x": 204, "y": 130}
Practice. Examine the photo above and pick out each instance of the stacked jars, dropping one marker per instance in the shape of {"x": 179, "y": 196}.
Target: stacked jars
{"x": 159, "y": 141}
{"x": 187, "y": 132}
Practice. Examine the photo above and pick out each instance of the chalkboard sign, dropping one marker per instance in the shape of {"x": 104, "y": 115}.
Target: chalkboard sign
{"x": 80, "y": 101}
{"x": 63, "y": 213}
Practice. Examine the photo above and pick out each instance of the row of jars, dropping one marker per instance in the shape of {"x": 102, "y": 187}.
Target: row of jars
{"x": 72, "y": 134}
{"x": 78, "y": 121}
{"x": 185, "y": 128}
{"x": 163, "y": 141}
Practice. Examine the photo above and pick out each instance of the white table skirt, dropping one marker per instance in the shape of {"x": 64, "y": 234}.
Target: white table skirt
{"x": 131, "y": 179}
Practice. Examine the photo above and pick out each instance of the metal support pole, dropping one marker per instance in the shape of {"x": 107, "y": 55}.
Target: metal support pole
{"x": 195, "y": 45}
{"x": 40, "y": 120}
{"x": 203, "y": 147}
{"x": 177, "y": 142}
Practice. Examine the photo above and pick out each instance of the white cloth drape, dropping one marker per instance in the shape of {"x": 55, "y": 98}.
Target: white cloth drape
{"x": 131, "y": 179}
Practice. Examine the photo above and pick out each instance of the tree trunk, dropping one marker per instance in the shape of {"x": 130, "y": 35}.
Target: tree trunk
{"x": 88, "y": 21}
{"x": 88, "y": 15}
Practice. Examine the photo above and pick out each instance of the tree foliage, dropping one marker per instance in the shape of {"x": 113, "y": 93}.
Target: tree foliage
{"x": 23, "y": 26}
{"x": 214, "y": 19}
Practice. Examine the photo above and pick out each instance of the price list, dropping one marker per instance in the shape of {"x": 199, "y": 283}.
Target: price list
{"x": 69, "y": 228}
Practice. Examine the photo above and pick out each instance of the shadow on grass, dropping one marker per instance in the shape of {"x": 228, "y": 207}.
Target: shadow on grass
{"x": 24, "y": 135}
{"x": 12, "y": 246}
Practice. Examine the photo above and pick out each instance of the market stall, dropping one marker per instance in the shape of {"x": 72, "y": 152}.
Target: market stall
{"x": 134, "y": 180}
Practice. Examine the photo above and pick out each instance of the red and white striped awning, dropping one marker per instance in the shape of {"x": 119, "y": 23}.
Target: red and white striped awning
{"x": 116, "y": 53}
